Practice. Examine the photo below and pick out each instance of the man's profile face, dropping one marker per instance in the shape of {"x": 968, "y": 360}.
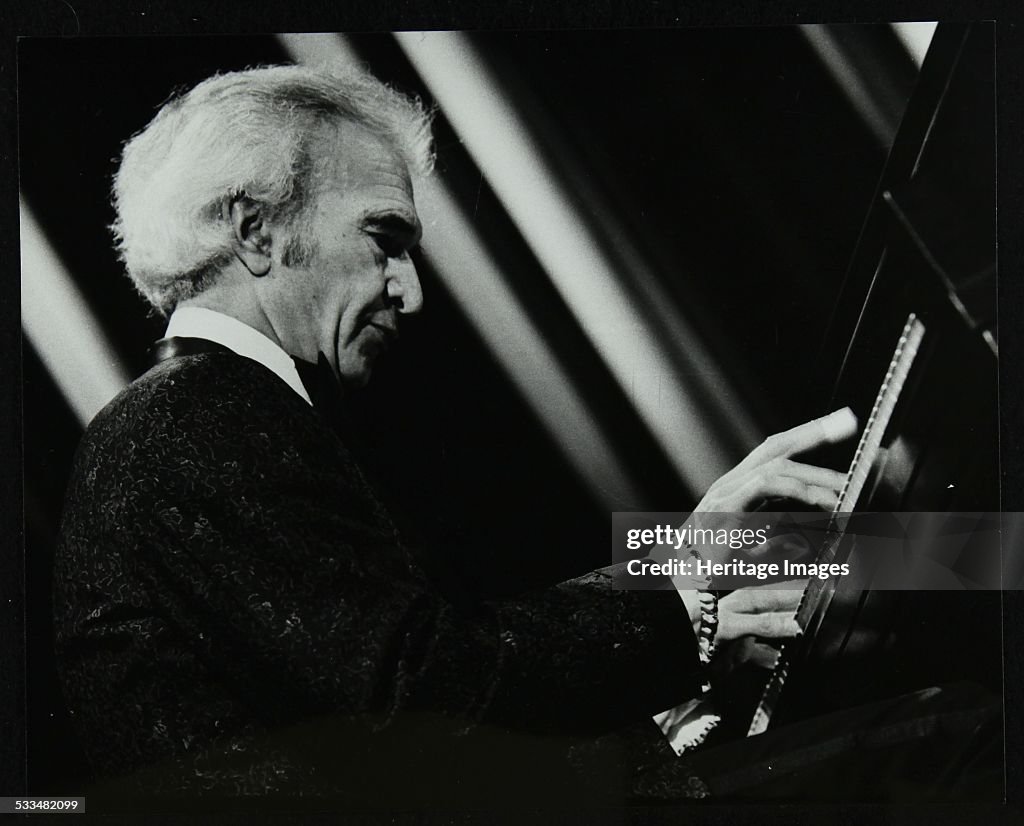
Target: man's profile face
{"x": 344, "y": 301}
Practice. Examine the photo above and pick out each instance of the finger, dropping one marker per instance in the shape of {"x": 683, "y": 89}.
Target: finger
{"x": 829, "y": 429}
{"x": 774, "y": 625}
{"x": 791, "y": 546}
{"x": 757, "y": 599}
{"x": 759, "y": 654}
{"x": 825, "y": 499}
{"x": 810, "y": 474}
{"x": 786, "y": 487}
{"x": 743, "y": 650}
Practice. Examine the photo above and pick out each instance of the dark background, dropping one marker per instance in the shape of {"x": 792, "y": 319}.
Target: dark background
{"x": 736, "y": 164}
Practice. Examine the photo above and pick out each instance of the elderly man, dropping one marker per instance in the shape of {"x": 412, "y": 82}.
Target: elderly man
{"x": 236, "y": 612}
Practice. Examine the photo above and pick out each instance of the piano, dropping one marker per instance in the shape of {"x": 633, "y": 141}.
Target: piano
{"x": 912, "y": 347}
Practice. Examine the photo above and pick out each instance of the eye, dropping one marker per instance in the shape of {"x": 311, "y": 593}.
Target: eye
{"x": 391, "y": 247}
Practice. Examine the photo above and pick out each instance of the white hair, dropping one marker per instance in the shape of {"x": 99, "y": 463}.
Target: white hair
{"x": 239, "y": 133}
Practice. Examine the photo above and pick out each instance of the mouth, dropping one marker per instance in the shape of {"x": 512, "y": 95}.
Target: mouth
{"x": 386, "y": 332}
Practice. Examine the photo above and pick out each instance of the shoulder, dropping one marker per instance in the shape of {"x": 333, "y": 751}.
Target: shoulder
{"x": 212, "y": 408}
{"x": 204, "y": 429}
{"x": 207, "y": 386}
{"x": 199, "y": 394}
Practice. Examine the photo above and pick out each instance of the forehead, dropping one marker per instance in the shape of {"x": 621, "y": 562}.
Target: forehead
{"x": 355, "y": 163}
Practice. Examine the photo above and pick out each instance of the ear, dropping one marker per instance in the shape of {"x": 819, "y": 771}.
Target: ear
{"x": 252, "y": 234}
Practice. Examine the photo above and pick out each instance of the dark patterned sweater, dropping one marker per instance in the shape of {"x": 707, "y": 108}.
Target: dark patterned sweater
{"x": 236, "y": 614}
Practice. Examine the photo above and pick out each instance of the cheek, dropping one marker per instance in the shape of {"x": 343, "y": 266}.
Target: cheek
{"x": 358, "y": 266}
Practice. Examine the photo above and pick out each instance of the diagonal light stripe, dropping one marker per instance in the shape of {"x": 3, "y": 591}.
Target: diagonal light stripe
{"x": 319, "y": 49}
{"x": 916, "y": 37}
{"x": 62, "y": 329}
{"x": 542, "y": 211}
{"x": 850, "y": 80}
{"x": 479, "y": 287}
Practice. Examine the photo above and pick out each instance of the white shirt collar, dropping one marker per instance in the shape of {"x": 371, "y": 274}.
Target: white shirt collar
{"x": 199, "y": 322}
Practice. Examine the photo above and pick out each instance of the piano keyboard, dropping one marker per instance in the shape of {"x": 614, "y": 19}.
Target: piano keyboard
{"x": 860, "y": 468}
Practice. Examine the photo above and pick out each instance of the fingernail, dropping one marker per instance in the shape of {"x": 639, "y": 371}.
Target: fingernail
{"x": 839, "y": 425}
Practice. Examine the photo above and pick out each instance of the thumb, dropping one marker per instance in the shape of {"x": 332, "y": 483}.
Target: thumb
{"x": 742, "y": 651}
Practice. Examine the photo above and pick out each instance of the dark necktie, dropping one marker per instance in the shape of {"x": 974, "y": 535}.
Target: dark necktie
{"x": 323, "y": 389}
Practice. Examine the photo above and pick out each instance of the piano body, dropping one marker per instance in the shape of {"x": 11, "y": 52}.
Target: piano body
{"x": 912, "y": 348}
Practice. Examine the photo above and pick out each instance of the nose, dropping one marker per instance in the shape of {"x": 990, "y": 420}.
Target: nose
{"x": 403, "y": 290}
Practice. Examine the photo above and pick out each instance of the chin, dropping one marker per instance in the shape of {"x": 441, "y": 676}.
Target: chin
{"x": 356, "y": 377}
{"x": 357, "y": 369}
{"x": 362, "y": 379}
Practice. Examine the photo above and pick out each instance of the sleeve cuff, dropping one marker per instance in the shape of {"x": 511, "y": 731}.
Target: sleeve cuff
{"x": 687, "y": 725}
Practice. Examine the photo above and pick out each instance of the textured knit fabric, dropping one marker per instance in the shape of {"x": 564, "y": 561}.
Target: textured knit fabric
{"x": 236, "y": 614}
